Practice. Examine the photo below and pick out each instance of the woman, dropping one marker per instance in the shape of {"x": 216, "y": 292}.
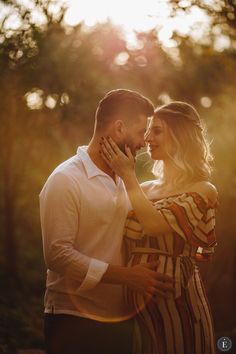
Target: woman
{"x": 173, "y": 221}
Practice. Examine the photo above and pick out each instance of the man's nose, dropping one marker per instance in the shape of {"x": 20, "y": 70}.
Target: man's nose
{"x": 143, "y": 144}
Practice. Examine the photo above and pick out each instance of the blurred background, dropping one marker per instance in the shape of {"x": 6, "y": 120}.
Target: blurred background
{"x": 57, "y": 60}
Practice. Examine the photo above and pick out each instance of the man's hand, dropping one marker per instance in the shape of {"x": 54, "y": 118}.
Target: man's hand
{"x": 142, "y": 278}
{"x": 145, "y": 279}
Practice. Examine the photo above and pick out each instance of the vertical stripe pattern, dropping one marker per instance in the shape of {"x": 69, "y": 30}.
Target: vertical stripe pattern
{"x": 183, "y": 323}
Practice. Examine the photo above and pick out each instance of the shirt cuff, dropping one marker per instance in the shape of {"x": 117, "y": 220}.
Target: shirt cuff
{"x": 95, "y": 272}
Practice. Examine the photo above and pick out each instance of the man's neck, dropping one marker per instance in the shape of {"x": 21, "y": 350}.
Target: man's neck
{"x": 93, "y": 150}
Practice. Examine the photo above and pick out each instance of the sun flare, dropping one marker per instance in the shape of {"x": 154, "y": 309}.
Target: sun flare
{"x": 135, "y": 15}
{"x": 132, "y": 14}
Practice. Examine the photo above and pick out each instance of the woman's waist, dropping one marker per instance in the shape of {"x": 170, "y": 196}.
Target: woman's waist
{"x": 153, "y": 251}
{"x": 178, "y": 266}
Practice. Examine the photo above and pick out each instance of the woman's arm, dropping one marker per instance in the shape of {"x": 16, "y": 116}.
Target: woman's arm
{"x": 151, "y": 219}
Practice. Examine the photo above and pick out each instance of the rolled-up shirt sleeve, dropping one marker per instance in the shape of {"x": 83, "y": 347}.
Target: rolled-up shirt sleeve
{"x": 59, "y": 215}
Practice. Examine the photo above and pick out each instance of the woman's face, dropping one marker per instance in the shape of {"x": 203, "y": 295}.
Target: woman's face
{"x": 156, "y": 137}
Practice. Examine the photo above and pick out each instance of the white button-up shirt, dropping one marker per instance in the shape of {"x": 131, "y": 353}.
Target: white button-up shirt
{"x": 83, "y": 212}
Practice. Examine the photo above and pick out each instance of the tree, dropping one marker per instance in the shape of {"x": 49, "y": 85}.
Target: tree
{"x": 222, "y": 14}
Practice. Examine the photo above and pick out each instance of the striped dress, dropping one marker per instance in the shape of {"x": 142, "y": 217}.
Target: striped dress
{"x": 183, "y": 323}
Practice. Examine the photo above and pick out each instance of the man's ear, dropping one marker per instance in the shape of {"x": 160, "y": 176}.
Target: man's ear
{"x": 119, "y": 128}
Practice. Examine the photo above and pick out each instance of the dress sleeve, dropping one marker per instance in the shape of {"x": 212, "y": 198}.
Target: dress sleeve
{"x": 192, "y": 218}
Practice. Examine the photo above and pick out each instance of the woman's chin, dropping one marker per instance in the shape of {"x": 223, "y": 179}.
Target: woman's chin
{"x": 155, "y": 156}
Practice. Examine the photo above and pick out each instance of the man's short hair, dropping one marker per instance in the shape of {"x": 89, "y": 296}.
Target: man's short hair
{"x": 124, "y": 102}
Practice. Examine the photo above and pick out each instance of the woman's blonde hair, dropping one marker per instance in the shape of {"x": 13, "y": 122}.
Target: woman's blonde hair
{"x": 188, "y": 148}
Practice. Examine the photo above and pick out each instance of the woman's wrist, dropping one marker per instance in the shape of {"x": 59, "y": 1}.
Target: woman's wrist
{"x": 131, "y": 183}
{"x": 129, "y": 177}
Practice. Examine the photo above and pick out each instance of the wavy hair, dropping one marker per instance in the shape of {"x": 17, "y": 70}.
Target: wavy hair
{"x": 187, "y": 147}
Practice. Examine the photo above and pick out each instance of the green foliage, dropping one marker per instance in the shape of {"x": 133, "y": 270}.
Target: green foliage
{"x": 21, "y": 308}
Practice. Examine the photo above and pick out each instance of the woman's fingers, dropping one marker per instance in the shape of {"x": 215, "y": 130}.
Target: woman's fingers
{"x": 113, "y": 150}
{"x": 106, "y": 152}
{"x": 113, "y": 145}
{"x": 128, "y": 152}
{"x": 105, "y": 158}
{"x": 107, "y": 147}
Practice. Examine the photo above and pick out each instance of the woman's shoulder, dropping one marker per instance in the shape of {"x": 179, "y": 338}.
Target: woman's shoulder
{"x": 207, "y": 189}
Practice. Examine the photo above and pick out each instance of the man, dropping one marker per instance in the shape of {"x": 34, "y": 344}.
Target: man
{"x": 83, "y": 208}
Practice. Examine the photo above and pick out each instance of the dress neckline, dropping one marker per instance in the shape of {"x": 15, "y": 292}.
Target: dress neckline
{"x": 205, "y": 199}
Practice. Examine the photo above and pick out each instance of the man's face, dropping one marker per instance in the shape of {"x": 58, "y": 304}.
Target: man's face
{"x": 134, "y": 135}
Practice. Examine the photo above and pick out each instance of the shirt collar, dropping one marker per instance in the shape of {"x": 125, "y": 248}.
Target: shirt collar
{"x": 91, "y": 169}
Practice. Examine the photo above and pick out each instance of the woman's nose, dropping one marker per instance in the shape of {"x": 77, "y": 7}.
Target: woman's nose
{"x": 147, "y": 137}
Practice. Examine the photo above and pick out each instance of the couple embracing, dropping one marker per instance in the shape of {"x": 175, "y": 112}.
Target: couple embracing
{"x": 122, "y": 275}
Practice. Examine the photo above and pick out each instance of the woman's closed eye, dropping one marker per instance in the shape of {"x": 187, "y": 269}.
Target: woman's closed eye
{"x": 156, "y": 131}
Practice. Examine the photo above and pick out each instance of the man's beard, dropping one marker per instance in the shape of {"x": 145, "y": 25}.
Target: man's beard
{"x": 122, "y": 148}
